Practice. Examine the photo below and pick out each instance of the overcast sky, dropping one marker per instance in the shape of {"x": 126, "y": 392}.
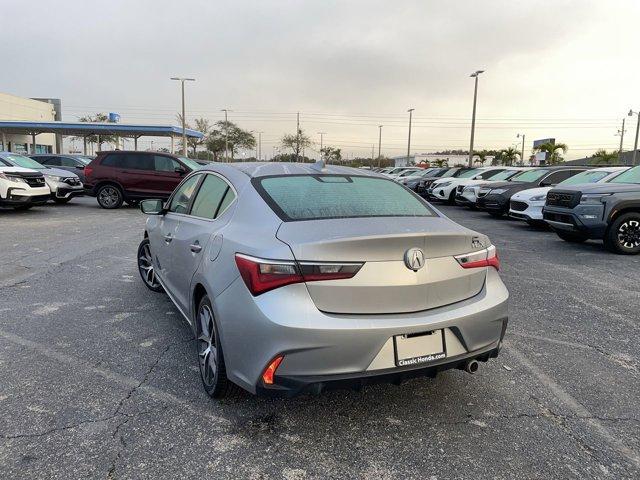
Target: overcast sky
{"x": 566, "y": 69}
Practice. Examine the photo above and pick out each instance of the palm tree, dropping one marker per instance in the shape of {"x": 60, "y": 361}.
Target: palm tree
{"x": 482, "y": 157}
{"x": 440, "y": 162}
{"x": 552, "y": 151}
{"x": 604, "y": 157}
{"x": 508, "y": 156}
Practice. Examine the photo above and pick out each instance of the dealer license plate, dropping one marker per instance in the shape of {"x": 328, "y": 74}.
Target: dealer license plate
{"x": 419, "y": 348}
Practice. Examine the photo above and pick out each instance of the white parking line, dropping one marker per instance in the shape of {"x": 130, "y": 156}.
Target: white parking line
{"x": 578, "y": 409}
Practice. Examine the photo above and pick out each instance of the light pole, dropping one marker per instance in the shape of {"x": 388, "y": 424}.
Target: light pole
{"x": 260, "y": 146}
{"x": 226, "y": 132}
{"x": 379, "y": 144}
{"x": 521, "y": 154}
{"x": 322, "y": 134}
{"x": 409, "y": 140}
{"x": 621, "y": 133}
{"x": 475, "y": 75}
{"x": 184, "y": 128}
{"x": 635, "y": 144}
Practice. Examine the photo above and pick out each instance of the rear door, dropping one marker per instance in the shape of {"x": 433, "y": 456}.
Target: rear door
{"x": 205, "y": 219}
{"x": 167, "y": 173}
{"x": 137, "y": 174}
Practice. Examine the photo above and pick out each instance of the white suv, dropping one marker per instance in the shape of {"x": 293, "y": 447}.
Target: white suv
{"x": 22, "y": 188}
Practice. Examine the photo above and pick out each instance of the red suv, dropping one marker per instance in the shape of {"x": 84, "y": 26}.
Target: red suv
{"x": 118, "y": 176}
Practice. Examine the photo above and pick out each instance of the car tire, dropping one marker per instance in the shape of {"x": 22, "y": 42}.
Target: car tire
{"x": 22, "y": 207}
{"x": 572, "y": 237}
{"x": 61, "y": 200}
{"x": 109, "y": 196}
{"x": 623, "y": 235}
{"x": 213, "y": 372}
{"x": 146, "y": 268}
{"x": 452, "y": 197}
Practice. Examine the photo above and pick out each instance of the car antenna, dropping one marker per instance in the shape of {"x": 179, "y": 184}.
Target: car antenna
{"x": 319, "y": 166}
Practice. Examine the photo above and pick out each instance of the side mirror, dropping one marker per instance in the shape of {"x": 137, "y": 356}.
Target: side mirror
{"x": 152, "y": 207}
{"x": 181, "y": 170}
{"x": 546, "y": 183}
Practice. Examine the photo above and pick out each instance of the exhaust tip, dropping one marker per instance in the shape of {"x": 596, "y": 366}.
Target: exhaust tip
{"x": 471, "y": 366}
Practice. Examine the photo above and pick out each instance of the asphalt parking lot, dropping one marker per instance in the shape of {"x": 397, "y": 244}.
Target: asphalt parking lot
{"x": 98, "y": 375}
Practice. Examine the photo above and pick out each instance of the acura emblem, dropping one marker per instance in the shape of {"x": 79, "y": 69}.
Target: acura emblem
{"x": 414, "y": 259}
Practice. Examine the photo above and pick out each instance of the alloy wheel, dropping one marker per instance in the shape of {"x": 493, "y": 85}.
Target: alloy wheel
{"x": 207, "y": 350}
{"x": 629, "y": 234}
{"x": 145, "y": 264}
{"x": 109, "y": 196}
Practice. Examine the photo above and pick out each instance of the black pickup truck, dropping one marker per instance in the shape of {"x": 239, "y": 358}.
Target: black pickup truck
{"x": 607, "y": 211}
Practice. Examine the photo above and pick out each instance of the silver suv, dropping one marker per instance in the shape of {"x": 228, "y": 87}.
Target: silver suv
{"x": 297, "y": 278}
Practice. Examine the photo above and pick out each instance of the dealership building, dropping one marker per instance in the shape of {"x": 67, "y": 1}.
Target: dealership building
{"x": 34, "y": 125}
{"x": 29, "y": 109}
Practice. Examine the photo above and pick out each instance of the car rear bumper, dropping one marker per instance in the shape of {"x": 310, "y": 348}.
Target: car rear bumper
{"x": 323, "y": 350}
{"x": 292, "y": 385}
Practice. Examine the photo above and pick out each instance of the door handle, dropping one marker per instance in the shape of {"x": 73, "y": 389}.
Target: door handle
{"x": 168, "y": 238}
{"x": 195, "y": 247}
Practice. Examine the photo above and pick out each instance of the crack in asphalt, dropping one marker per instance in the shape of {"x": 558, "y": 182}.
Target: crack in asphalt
{"x": 127, "y": 418}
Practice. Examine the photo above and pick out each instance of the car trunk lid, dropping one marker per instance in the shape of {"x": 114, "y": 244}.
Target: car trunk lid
{"x": 385, "y": 284}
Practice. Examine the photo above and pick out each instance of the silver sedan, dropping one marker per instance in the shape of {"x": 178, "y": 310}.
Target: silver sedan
{"x": 299, "y": 278}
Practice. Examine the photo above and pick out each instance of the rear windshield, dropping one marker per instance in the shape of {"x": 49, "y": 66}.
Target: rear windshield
{"x": 630, "y": 176}
{"x": 313, "y": 197}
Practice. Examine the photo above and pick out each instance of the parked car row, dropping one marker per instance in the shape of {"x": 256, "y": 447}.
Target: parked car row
{"x": 113, "y": 177}
{"x": 578, "y": 202}
{"x": 24, "y": 182}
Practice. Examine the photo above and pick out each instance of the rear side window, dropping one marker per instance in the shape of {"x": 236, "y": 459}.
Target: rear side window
{"x": 133, "y": 161}
{"x": 210, "y": 197}
{"x": 55, "y": 161}
{"x": 311, "y": 197}
{"x": 112, "y": 161}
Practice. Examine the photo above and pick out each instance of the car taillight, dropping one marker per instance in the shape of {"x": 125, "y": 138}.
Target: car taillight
{"x": 482, "y": 258}
{"x": 88, "y": 171}
{"x": 269, "y": 372}
{"x": 261, "y": 275}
